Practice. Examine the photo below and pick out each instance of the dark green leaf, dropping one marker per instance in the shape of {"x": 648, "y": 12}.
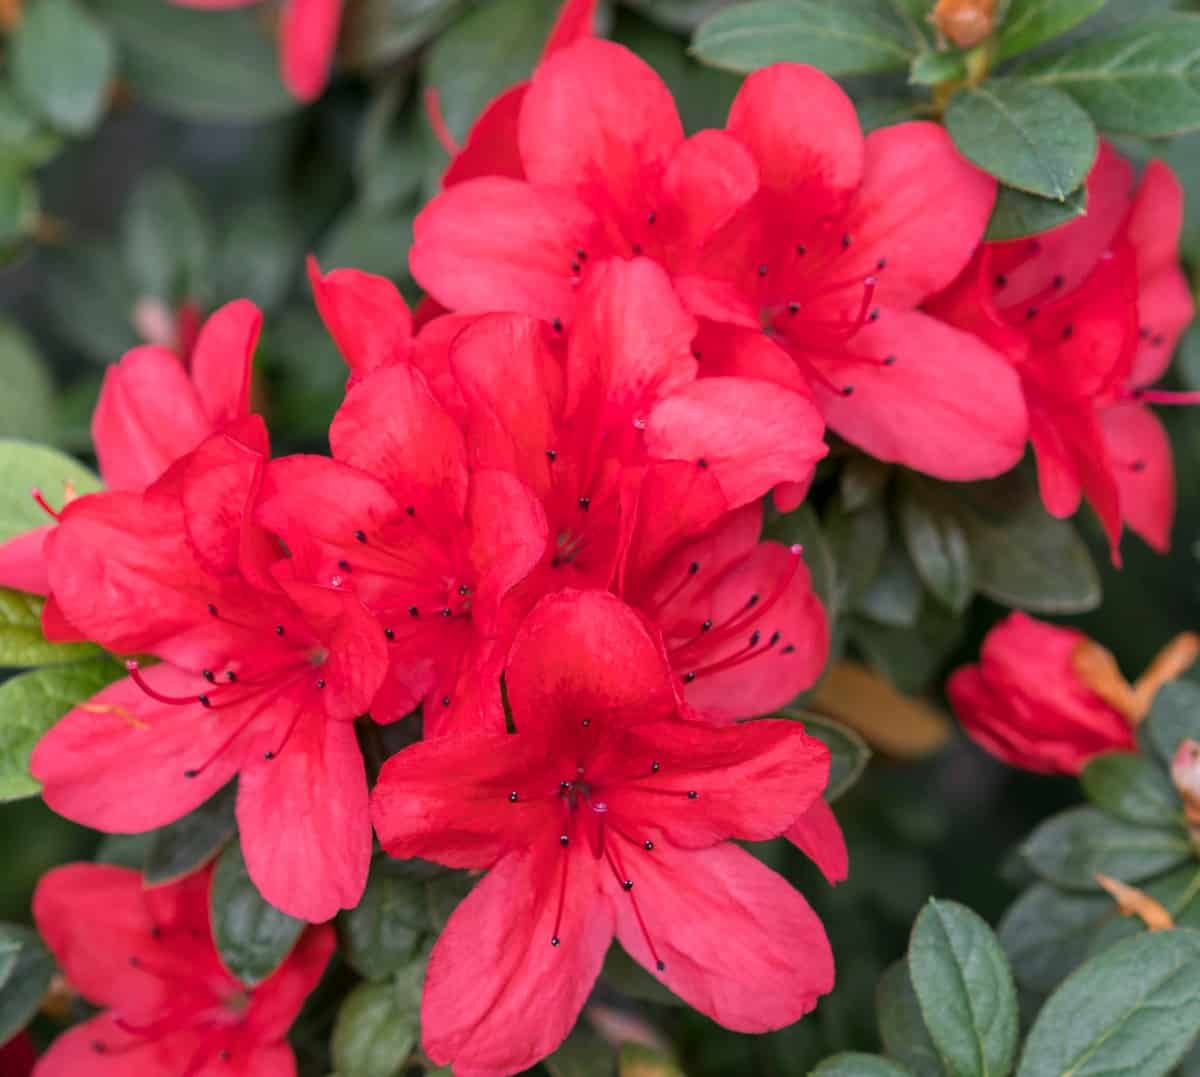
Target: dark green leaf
{"x": 627, "y": 976}
{"x": 202, "y": 65}
{"x": 167, "y": 240}
{"x": 30, "y": 969}
{"x": 252, "y": 937}
{"x": 855, "y": 1064}
{"x": 31, "y": 703}
{"x": 894, "y": 596}
{"x": 853, "y": 37}
{"x": 1174, "y": 717}
{"x": 931, "y": 67}
{"x": 180, "y": 848}
{"x": 848, "y": 752}
{"x": 937, "y": 543}
{"x": 910, "y": 657}
{"x": 1024, "y": 557}
{"x": 582, "y": 1054}
{"x": 1133, "y": 1011}
{"x": 801, "y": 527}
{"x": 388, "y": 162}
{"x": 62, "y": 62}
{"x": 382, "y": 30}
{"x": 1017, "y": 214}
{"x": 858, "y": 541}
{"x": 20, "y": 204}
{"x": 1047, "y": 932}
{"x": 1132, "y": 788}
{"x": 24, "y": 141}
{"x": 375, "y": 241}
{"x": 259, "y": 255}
{"x": 1030, "y": 22}
{"x": 902, "y": 1026}
{"x": 1031, "y": 137}
{"x": 378, "y": 1025}
{"x": 862, "y": 481}
{"x": 637, "y": 1060}
{"x": 381, "y": 934}
{"x": 89, "y": 280}
{"x": 25, "y": 466}
{"x": 876, "y": 112}
{"x": 26, "y": 406}
{"x": 1141, "y": 78}
{"x": 1072, "y": 847}
{"x": 21, "y": 641}
{"x": 965, "y": 990}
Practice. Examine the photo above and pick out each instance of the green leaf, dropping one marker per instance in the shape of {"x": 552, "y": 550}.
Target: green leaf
{"x": 1133, "y": 1011}
{"x": 167, "y": 239}
{"x": 862, "y": 481}
{"x": 1070, "y": 848}
{"x": 637, "y": 1060}
{"x": 378, "y": 1025}
{"x": 89, "y": 280}
{"x": 252, "y": 937}
{"x": 965, "y": 989}
{"x": 1178, "y": 892}
{"x": 1047, "y": 932}
{"x": 30, "y": 969}
{"x": 62, "y": 62}
{"x": 382, "y": 933}
{"x": 375, "y": 241}
{"x": 26, "y": 407}
{"x": 485, "y": 52}
{"x": 582, "y": 1054}
{"x": 801, "y": 527}
{"x": 627, "y": 976}
{"x": 383, "y": 30}
{"x": 388, "y": 162}
{"x": 853, "y": 37}
{"x": 894, "y": 596}
{"x": 20, "y": 204}
{"x": 1023, "y": 557}
{"x": 910, "y": 657}
{"x": 21, "y": 641}
{"x": 201, "y": 65}
{"x": 858, "y": 541}
{"x": 1017, "y": 214}
{"x": 848, "y": 752}
{"x": 1132, "y": 788}
{"x": 31, "y": 703}
{"x": 1030, "y": 22}
{"x": 856, "y": 1064}
{"x": 181, "y": 848}
{"x": 259, "y": 255}
{"x": 24, "y": 141}
{"x": 1174, "y": 717}
{"x": 25, "y": 466}
{"x": 902, "y": 1025}
{"x": 1031, "y": 137}
{"x": 931, "y": 67}
{"x": 1141, "y": 78}
{"x": 937, "y": 543}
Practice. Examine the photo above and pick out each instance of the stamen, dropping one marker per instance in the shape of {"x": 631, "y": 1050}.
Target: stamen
{"x": 135, "y": 675}
{"x": 44, "y": 505}
{"x": 627, "y": 886}
{"x": 1164, "y": 396}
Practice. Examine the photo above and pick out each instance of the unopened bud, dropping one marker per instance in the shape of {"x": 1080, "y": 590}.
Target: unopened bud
{"x": 965, "y": 22}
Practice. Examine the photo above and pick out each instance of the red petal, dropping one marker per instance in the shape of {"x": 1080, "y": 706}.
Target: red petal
{"x": 599, "y": 120}
{"x": 817, "y": 834}
{"x": 308, "y": 38}
{"x": 1144, "y": 471}
{"x": 751, "y": 434}
{"x": 574, "y": 23}
{"x": 816, "y": 163}
{"x": 491, "y": 148}
{"x": 391, "y": 427}
{"x": 122, "y": 740}
{"x": 708, "y": 179}
{"x": 631, "y": 343}
{"x": 584, "y": 654}
{"x": 303, "y": 818}
{"x": 949, "y": 406}
{"x": 277, "y": 1000}
{"x": 498, "y": 996}
{"x": 221, "y": 359}
{"x": 447, "y": 799}
{"x": 23, "y": 562}
{"x": 147, "y": 417}
{"x": 739, "y": 943}
{"x": 365, "y": 314}
{"x": 498, "y": 244}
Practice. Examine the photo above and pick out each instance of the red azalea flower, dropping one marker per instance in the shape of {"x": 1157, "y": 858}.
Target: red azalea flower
{"x": 1089, "y": 314}
{"x": 1026, "y": 703}
{"x": 429, "y": 547}
{"x": 604, "y": 815}
{"x": 152, "y": 411}
{"x": 823, "y": 238}
{"x": 169, "y": 1008}
{"x": 262, "y": 677}
{"x": 308, "y": 37}
{"x": 17, "y": 1056}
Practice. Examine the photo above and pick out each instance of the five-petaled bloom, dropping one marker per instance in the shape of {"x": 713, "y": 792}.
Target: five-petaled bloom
{"x": 169, "y": 1008}
{"x": 604, "y": 814}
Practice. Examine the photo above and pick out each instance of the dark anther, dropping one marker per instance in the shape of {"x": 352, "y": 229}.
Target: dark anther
{"x": 651, "y": 217}
{"x": 706, "y": 625}
{"x": 556, "y": 325}
{"x": 1000, "y": 280}
{"x": 847, "y": 390}
{"x": 874, "y": 315}
{"x": 692, "y": 794}
{"x": 190, "y": 773}
{"x": 230, "y": 676}
{"x": 463, "y": 589}
{"x": 156, "y": 932}
{"x": 344, "y": 565}
{"x": 1158, "y": 340}
{"x": 1059, "y": 281}
{"x": 513, "y": 796}
{"x": 551, "y": 455}
{"x": 445, "y": 701}
{"x": 361, "y": 536}
{"x": 647, "y": 845}
{"x": 446, "y": 611}
{"x": 637, "y": 248}
{"x": 688, "y": 678}
{"x": 1144, "y": 333}
{"x": 389, "y": 634}
{"x": 693, "y": 568}
{"x": 135, "y": 961}
{"x": 212, "y": 609}
{"x": 1031, "y": 312}
{"x": 628, "y": 884}
{"x": 847, "y": 239}
{"x": 208, "y": 675}
{"x": 581, "y": 254}
{"x": 224, "y": 1054}
{"x": 554, "y": 941}
{"x": 268, "y": 755}
{"x": 695, "y": 353}
{"x": 563, "y": 839}
{"x": 576, "y": 267}
{"x": 752, "y": 601}
{"x": 702, "y": 463}
{"x": 789, "y": 649}
{"x": 413, "y": 611}
{"x": 793, "y": 308}
{"x": 411, "y": 510}
{"x": 584, "y": 502}
{"x": 755, "y": 636}
{"x": 204, "y": 701}
{"x": 279, "y": 630}
{"x": 881, "y": 264}
{"x": 762, "y": 269}
{"x": 564, "y": 785}
{"x": 586, "y": 722}
{"x": 320, "y": 682}
{"x": 1138, "y": 465}
{"x": 889, "y": 360}
{"x": 662, "y": 966}
{"x": 655, "y": 767}
{"x": 776, "y": 636}
{"x": 99, "y": 1046}
{"x": 1068, "y": 331}
{"x": 801, "y": 249}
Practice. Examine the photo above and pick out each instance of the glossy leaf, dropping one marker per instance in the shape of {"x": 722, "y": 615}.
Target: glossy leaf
{"x": 27, "y": 404}
{"x": 21, "y": 641}
{"x": 848, "y": 752}
{"x": 902, "y": 1025}
{"x": 1030, "y": 22}
{"x": 801, "y": 527}
{"x": 894, "y": 596}
{"x": 1047, "y": 933}
{"x": 965, "y": 989}
{"x": 856, "y": 1064}
{"x": 186, "y": 844}
{"x": 252, "y": 937}
{"x": 26, "y": 466}
{"x": 1017, "y": 214}
{"x": 1174, "y": 717}
{"x": 1131, "y": 787}
{"x": 382, "y": 933}
{"x": 937, "y": 543}
{"x": 30, "y": 968}
{"x": 378, "y": 1025}
{"x": 167, "y": 239}
{"x": 627, "y": 976}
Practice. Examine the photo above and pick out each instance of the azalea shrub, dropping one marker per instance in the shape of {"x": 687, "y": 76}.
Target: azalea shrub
{"x": 581, "y": 538}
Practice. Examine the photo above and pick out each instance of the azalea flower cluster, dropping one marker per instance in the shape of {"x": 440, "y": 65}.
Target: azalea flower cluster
{"x": 539, "y": 527}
